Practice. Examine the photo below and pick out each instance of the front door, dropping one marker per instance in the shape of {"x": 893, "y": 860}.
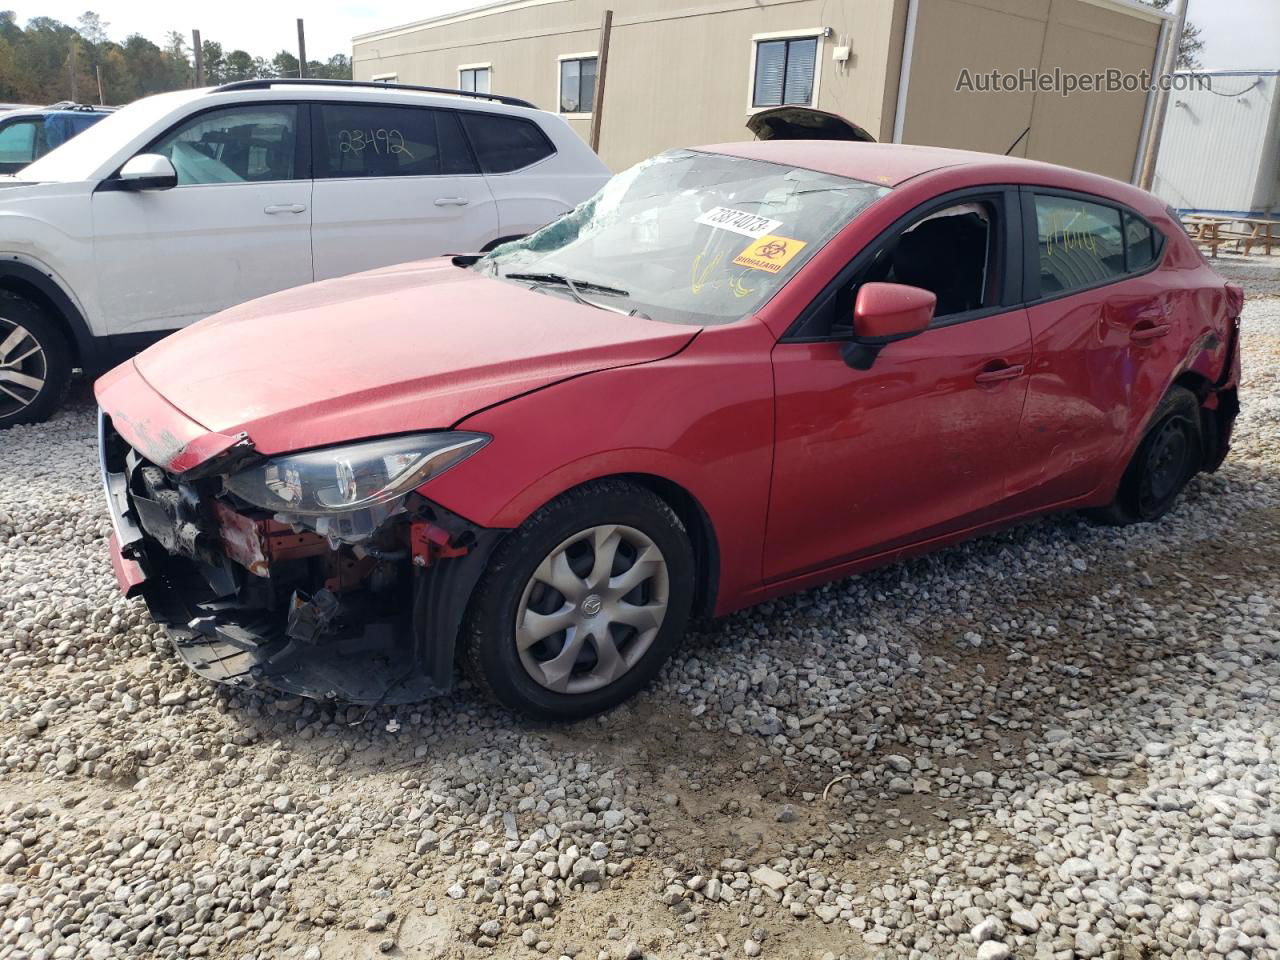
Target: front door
{"x": 394, "y": 184}
{"x": 918, "y": 445}
{"x": 236, "y": 227}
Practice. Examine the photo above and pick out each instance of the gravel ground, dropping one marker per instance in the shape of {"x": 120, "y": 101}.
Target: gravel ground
{"x": 1061, "y": 741}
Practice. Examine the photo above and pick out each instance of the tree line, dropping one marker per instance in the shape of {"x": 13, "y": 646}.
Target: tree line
{"x": 47, "y": 61}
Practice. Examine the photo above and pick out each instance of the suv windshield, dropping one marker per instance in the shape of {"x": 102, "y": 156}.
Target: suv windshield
{"x": 687, "y": 237}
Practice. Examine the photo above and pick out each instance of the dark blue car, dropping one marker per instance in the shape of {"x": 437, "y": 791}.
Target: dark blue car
{"x": 29, "y": 133}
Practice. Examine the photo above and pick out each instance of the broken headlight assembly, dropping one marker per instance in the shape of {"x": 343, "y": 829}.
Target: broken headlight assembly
{"x": 344, "y": 493}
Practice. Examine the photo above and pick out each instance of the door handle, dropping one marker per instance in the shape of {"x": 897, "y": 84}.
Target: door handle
{"x": 284, "y": 208}
{"x": 1153, "y": 332}
{"x": 452, "y": 201}
{"x": 1000, "y": 373}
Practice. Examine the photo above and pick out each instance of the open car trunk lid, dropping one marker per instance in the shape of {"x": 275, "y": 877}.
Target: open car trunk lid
{"x": 804, "y": 123}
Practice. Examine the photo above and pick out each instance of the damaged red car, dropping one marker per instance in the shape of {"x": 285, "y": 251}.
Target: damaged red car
{"x": 736, "y": 372}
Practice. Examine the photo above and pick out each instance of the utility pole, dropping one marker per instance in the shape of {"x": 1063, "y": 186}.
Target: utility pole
{"x": 102, "y": 101}
{"x": 1162, "y": 99}
{"x": 302, "y": 51}
{"x": 199, "y": 58}
{"x": 75, "y": 51}
{"x": 602, "y": 68}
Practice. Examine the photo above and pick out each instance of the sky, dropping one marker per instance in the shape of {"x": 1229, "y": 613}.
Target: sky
{"x": 1237, "y": 33}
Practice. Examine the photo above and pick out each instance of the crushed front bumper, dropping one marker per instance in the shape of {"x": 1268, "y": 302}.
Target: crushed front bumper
{"x": 216, "y": 580}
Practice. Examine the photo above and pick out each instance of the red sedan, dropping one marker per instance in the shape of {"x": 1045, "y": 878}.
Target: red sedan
{"x": 736, "y": 372}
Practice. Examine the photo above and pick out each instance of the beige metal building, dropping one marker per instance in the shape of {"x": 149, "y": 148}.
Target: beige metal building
{"x": 685, "y": 72}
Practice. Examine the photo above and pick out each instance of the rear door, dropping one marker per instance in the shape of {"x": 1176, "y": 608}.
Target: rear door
{"x": 394, "y": 183}
{"x": 531, "y": 186}
{"x": 1100, "y": 321}
{"x": 236, "y": 227}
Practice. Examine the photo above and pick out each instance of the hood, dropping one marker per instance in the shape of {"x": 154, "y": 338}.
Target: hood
{"x": 804, "y": 123}
{"x": 412, "y": 347}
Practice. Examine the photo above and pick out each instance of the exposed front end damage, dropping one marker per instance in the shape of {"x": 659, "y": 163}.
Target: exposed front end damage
{"x": 261, "y": 599}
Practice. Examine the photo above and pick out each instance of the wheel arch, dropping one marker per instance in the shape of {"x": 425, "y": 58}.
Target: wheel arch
{"x": 687, "y": 506}
{"x": 1218, "y": 409}
{"x": 27, "y": 282}
{"x": 702, "y": 534}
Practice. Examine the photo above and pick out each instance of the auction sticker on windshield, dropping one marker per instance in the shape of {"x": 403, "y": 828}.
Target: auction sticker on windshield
{"x": 769, "y": 253}
{"x": 739, "y": 221}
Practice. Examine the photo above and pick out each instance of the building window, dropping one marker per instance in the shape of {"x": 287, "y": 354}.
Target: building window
{"x": 474, "y": 79}
{"x": 577, "y": 83}
{"x": 784, "y": 72}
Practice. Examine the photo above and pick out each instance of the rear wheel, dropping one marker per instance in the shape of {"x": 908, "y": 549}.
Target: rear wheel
{"x": 1169, "y": 455}
{"x": 35, "y": 363}
{"x": 583, "y": 604}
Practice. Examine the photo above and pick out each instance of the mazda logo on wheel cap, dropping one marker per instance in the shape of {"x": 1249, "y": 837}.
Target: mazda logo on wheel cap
{"x": 591, "y": 606}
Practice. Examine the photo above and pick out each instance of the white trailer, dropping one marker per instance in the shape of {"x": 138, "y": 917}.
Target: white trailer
{"x": 1220, "y": 153}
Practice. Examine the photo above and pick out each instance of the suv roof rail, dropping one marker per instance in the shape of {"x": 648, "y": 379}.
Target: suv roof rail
{"x": 72, "y": 105}
{"x": 265, "y": 82}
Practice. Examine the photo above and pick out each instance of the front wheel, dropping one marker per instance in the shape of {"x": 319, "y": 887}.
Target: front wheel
{"x": 35, "y": 363}
{"x": 1169, "y": 455}
{"x": 581, "y": 605}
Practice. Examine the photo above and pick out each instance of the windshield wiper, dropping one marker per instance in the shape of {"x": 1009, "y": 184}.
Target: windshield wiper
{"x": 575, "y": 288}
{"x": 573, "y": 285}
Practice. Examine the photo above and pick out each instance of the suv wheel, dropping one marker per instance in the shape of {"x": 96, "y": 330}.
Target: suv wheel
{"x": 582, "y": 604}
{"x": 35, "y": 363}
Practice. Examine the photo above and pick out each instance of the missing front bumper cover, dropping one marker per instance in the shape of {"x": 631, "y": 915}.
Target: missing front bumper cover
{"x": 249, "y": 603}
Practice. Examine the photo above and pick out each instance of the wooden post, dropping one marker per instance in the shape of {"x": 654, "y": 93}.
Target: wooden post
{"x": 602, "y": 68}
{"x": 198, "y": 53}
{"x": 302, "y": 51}
{"x": 102, "y": 101}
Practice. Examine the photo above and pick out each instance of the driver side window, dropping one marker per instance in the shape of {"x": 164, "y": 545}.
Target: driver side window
{"x": 233, "y": 145}
{"x": 950, "y": 252}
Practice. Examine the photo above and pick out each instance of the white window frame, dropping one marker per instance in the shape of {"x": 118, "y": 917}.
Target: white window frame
{"x": 476, "y": 66}
{"x": 589, "y": 55}
{"x": 808, "y": 33}
{"x": 385, "y": 77}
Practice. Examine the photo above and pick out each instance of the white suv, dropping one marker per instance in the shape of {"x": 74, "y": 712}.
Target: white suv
{"x": 186, "y": 203}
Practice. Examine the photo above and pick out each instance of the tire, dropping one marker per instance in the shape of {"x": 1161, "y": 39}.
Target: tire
{"x": 1170, "y": 454}
{"x": 33, "y": 350}
{"x": 535, "y": 648}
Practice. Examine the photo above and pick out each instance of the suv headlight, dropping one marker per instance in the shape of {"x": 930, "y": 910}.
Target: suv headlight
{"x": 354, "y": 476}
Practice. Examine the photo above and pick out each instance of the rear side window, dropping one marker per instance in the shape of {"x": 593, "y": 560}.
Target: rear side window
{"x": 368, "y": 140}
{"x": 18, "y": 142}
{"x": 233, "y": 145}
{"x": 1080, "y": 244}
{"x": 503, "y": 144}
{"x": 1139, "y": 243}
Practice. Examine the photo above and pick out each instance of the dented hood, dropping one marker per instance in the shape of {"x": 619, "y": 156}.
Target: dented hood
{"x": 412, "y": 347}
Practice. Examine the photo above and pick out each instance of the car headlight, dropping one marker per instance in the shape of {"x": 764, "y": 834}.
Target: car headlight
{"x": 351, "y": 477}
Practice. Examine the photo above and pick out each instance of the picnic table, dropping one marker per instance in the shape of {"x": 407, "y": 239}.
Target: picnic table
{"x": 1213, "y": 231}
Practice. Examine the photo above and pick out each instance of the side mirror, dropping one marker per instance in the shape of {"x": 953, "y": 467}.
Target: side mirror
{"x": 147, "y": 171}
{"x": 883, "y": 313}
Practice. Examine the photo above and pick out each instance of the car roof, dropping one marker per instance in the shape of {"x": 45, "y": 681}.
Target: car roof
{"x": 892, "y": 164}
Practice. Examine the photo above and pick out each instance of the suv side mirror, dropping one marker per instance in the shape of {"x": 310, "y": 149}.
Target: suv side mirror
{"x": 147, "y": 171}
{"x": 883, "y": 313}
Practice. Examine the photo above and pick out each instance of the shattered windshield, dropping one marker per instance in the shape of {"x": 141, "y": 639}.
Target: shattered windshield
{"x": 686, "y": 237}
